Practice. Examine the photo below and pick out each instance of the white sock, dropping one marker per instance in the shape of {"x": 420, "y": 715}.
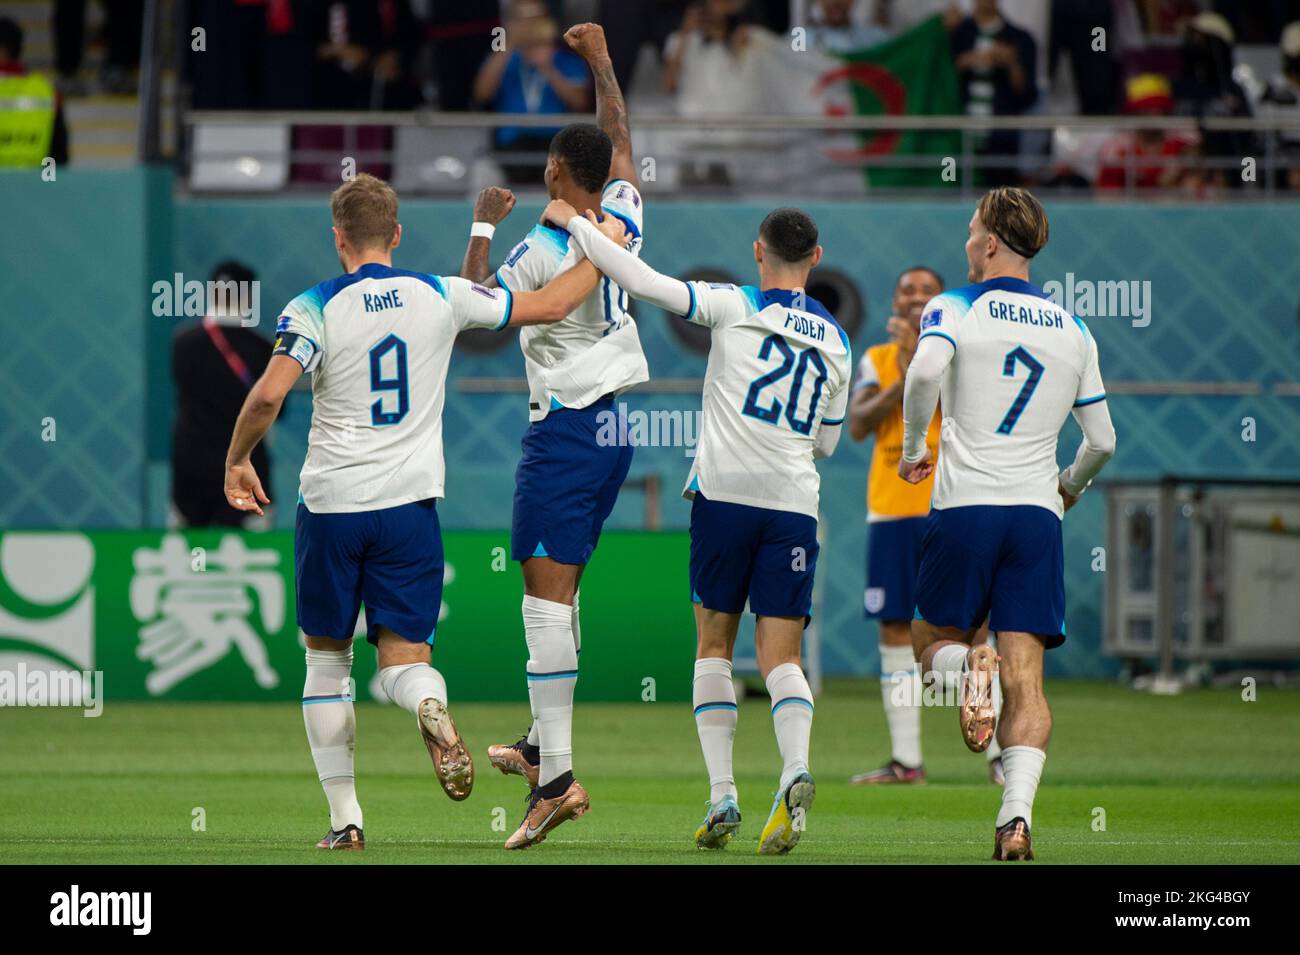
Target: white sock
{"x": 552, "y": 675}
{"x": 714, "y": 699}
{"x": 995, "y": 749}
{"x": 577, "y": 631}
{"x": 331, "y": 731}
{"x": 411, "y": 684}
{"x": 534, "y": 736}
{"x": 900, "y": 690}
{"x": 1023, "y": 766}
{"x": 792, "y": 713}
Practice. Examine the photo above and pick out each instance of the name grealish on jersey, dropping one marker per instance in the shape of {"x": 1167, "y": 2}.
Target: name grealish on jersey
{"x": 595, "y": 350}
{"x": 778, "y": 373}
{"x": 377, "y": 343}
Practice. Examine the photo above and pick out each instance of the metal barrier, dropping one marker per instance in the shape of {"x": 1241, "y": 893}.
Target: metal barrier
{"x": 761, "y": 153}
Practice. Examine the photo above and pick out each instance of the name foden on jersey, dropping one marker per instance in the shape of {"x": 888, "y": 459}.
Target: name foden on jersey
{"x": 806, "y": 325}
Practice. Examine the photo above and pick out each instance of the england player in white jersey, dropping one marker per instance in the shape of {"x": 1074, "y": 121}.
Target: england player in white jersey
{"x": 377, "y": 341}
{"x": 568, "y": 479}
{"x": 775, "y": 394}
{"x": 1010, "y": 366}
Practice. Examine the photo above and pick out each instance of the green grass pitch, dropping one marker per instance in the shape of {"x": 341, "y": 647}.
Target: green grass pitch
{"x": 1199, "y": 778}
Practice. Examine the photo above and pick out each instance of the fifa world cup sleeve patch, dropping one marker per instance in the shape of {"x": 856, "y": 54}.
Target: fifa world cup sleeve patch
{"x": 932, "y": 319}
{"x": 298, "y": 347}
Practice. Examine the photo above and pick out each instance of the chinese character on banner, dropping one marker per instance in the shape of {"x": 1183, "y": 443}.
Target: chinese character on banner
{"x": 194, "y": 608}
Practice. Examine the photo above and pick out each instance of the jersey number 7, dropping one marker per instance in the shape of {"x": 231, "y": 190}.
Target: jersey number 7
{"x": 1027, "y": 389}
{"x": 772, "y": 413}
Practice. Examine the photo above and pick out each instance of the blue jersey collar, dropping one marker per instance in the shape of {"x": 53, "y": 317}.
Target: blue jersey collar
{"x": 1008, "y": 283}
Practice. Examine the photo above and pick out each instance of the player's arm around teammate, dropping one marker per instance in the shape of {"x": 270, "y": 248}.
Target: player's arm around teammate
{"x": 562, "y": 294}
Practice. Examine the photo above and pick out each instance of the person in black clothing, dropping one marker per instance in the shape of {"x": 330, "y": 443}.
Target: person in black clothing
{"x": 214, "y": 363}
{"x": 996, "y": 65}
{"x": 1205, "y": 88}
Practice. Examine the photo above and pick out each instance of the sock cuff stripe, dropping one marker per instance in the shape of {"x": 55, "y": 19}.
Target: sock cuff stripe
{"x": 547, "y": 608}
{"x": 328, "y": 658}
{"x": 719, "y": 705}
{"x": 334, "y": 698}
{"x": 554, "y": 675}
{"x": 792, "y": 699}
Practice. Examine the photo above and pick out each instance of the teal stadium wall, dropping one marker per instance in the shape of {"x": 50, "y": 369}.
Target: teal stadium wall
{"x": 81, "y": 345}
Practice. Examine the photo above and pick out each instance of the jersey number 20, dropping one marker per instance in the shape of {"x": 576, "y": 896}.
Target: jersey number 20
{"x": 789, "y": 361}
{"x": 397, "y": 383}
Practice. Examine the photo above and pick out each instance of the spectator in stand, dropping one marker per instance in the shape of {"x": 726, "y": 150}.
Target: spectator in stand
{"x": 1281, "y": 100}
{"x": 536, "y": 75}
{"x": 705, "y": 60}
{"x": 1095, "y": 72}
{"x": 255, "y": 54}
{"x": 461, "y": 38}
{"x": 711, "y": 67}
{"x": 996, "y": 67}
{"x": 364, "y": 53}
{"x": 631, "y": 23}
{"x": 214, "y": 364}
{"x": 123, "y": 24}
{"x": 835, "y": 31}
{"x": 32, "y": 126}
{"x": 1205, "y": 88}
{"x": 1142, "y": 159}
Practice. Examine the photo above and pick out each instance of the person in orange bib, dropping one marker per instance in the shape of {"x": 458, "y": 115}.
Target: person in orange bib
{"x": 896, "y": 519}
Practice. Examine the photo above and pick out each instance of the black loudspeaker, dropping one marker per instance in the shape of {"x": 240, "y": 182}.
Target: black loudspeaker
{"x": 840, "y": 295}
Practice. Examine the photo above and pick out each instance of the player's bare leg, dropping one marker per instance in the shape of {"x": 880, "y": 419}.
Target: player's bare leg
{"x": 550, "y": 588}
{"x": 777, "y": 640}
{"x": 901, "y": 697}
{"x": 1024, "y": 731}
{"x": 413, "y": 684}
{"x": 331, "y": 731}
{"x": 948, "y": 653}
{"x": 714, "y": 700}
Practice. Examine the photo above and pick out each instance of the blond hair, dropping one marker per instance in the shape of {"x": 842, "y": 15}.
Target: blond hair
{"x": 1015, "y": 217}
{"x": 364, "y": 209}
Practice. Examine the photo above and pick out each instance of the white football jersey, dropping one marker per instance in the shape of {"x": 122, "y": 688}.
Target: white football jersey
{"x": 1021, "y": 363}
{"x": 779, "y": 370}
{"x": 595, "y": 350}
{"x": 378, "y": 342}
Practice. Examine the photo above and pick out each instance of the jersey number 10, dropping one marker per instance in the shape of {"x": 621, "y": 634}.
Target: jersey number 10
{"x": 789, "y": 362}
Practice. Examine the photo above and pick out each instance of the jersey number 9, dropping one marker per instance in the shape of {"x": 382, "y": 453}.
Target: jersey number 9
{"x": 397, "y": 382}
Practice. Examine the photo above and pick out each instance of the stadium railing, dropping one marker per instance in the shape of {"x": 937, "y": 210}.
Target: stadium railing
{"x": 452, "y": 153}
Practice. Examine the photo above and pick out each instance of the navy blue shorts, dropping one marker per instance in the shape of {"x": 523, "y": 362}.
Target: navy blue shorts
{"x": 1003, "y": 561}
{"x": 893, "y": 560}
{"x": 574, "y": 462}
{"x": 740, "y": 553}
{"x": 390, "y": 560}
